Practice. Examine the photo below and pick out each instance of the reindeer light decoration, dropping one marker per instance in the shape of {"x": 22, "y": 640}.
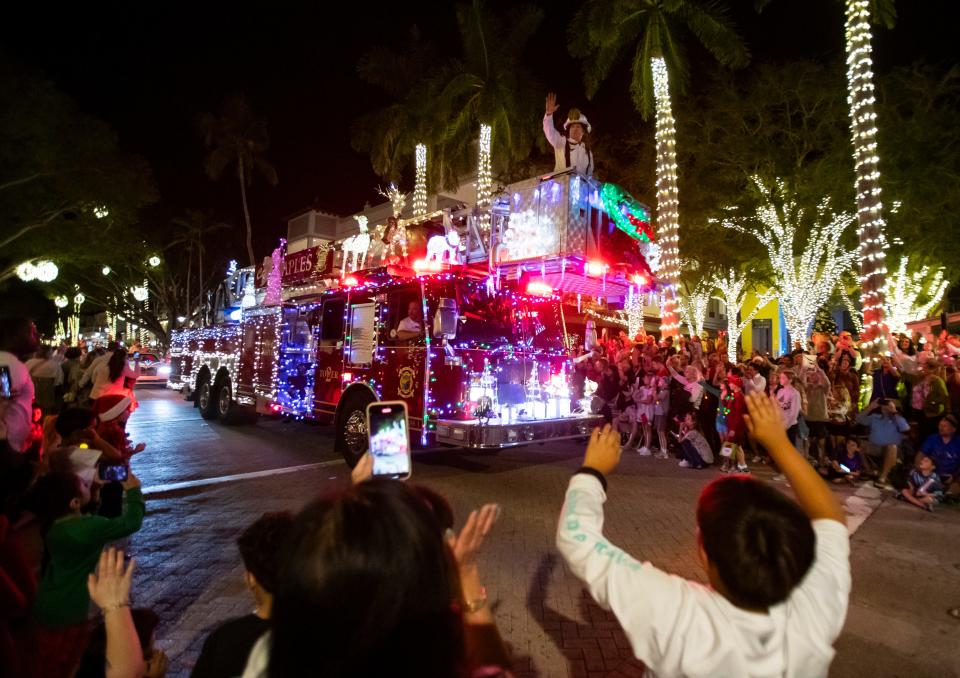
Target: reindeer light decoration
{"x": 444, "y": 248}
{"x": 355, "y": 247}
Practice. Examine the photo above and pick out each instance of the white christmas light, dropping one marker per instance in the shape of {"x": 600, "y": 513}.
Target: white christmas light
{"x": 733, "y": 294}
{"x": 803, "y": 281}
{"x": 484, "y": 178}
{"x": 668, "y": 225}
{"x": 106, "y": 270}
{"x": 863, "y": 128}
{"x": 420, "y": 183}
{"x": 154, "y": 261}
{"x": 140, "y": 293}
{"x": 61, "y": 301}
{"x": 904, "y": 291}
{"x": 101, "y": 212}
{"x": 78, "y": 299}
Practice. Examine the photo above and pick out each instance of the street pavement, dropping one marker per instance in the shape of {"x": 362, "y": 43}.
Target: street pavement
{"x": 205, "y": 482}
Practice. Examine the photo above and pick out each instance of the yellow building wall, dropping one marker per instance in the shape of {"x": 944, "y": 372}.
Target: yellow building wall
{"x": 769, "y": 312}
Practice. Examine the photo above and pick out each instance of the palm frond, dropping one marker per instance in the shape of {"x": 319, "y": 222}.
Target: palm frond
{"x": 716, "y": 32}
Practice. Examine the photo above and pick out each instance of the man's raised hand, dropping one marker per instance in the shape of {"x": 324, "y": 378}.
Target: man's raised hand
{"x": 551, "y": 105}
{"x": 603, "y": 450}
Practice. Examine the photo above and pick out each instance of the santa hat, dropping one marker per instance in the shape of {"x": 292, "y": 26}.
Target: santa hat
{"x": 576, "y": 117}
{"x": 735, "y": 380}
{"x": 109, "y": 407}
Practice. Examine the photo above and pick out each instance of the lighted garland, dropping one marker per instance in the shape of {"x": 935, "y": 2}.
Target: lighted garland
{"x": 630, "y": 216}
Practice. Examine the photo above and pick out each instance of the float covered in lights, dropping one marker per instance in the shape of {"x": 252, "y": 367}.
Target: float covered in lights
{"x": 520, "y": 274}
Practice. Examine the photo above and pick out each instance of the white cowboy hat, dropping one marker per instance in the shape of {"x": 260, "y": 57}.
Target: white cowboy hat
{"x": 575, "y": 116}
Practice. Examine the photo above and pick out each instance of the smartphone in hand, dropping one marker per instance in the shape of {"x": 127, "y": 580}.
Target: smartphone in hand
{"x": 6, "y": 383}
{"x": 389, "y": 437}
{"x": 114, "y": 472}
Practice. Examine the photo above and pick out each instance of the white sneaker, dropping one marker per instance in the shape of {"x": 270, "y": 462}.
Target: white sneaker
{"x": 684, "y": 463}
{"x": 644, "y": 452}
{"x": 757, "y": 459}
{"x": 663, "y": 455}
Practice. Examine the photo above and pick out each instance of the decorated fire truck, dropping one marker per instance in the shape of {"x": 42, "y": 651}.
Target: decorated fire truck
{"x": 473, "y": 317}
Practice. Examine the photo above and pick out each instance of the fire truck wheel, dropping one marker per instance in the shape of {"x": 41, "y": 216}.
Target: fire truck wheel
{"x": 351, "y": 427}
{"x": 206, "y": 400}
{"x": 228, "y": 411}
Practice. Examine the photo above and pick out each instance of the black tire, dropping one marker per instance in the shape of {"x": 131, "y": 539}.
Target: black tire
{"x": 206, "y": 400}
{"x": 351, "y": 441}
{"x": 228, "y": 410}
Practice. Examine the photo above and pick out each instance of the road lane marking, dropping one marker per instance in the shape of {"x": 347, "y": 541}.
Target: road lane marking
{"x": 201, "y": 482}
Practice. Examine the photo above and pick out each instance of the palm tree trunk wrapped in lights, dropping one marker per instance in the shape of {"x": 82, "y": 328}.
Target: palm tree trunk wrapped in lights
{"x": 420, "y": 183}
{"x": 484, "y": 180}
{"x": 668, "y": 225}
{"x": 863, "y": 128}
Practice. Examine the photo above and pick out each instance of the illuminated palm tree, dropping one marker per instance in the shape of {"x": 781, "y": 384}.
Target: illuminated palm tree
{"x": 600, "y": 33}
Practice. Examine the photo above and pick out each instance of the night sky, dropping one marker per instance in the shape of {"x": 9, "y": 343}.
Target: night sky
{"x": 150, "y": 68}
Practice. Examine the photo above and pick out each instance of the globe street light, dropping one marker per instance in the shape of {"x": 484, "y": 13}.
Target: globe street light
{"x": 27, "y": 271}
{"x": 43, "y": 271}
{"x": 47, "y": 271}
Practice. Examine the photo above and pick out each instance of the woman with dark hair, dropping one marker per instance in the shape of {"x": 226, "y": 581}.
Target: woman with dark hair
{"x": 374, "y": 582}
{"x": 110, "y": 377}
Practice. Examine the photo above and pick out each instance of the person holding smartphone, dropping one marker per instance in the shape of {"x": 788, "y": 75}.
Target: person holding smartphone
{"x": 18, "y": 340}
{"x": 73, "y": 543}
{"x": 376, "y": 582}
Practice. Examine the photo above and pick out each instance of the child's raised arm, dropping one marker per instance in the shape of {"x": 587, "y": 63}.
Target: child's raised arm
{"x": 766, "y": 426}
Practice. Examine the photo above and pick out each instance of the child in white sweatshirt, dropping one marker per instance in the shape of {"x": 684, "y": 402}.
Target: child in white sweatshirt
{"x": 779, "y": 572}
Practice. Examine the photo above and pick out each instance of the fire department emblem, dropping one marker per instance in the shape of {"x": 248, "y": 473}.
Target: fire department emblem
{"x": 406, "y": 382}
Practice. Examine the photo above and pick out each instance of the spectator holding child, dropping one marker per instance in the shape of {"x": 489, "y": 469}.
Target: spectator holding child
{"x": 943, "y": 448}
{"x": 779, "y": 573}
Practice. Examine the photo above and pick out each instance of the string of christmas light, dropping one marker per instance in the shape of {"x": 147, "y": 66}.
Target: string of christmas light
{"x": 803, "y": 282}
{"x": 484, "y": 179}
{"x": 863, "y": 129}
{"x": 693, "y": 308}
{"x": 904, "y": 291}
{"x": 733, "y": 293}
{"x": 420, "y": 183}
{"x": 668, "y": 225}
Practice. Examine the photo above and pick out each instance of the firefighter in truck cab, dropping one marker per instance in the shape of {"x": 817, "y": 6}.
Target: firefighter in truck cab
{"x": 411, "y": 327}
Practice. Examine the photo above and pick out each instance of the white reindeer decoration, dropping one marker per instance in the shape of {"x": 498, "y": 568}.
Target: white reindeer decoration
{"x": 444, "y": 248}
{"x": 355, "y": 247}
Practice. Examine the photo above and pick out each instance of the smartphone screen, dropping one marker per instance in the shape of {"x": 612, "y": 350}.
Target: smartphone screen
{"x": 6, "y": 387}
{"x": 118, "y": 472}
{"x": 389, "y": 439}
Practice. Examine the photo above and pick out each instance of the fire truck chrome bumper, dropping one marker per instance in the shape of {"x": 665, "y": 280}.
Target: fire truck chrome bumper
{"x": 474, "y": 433}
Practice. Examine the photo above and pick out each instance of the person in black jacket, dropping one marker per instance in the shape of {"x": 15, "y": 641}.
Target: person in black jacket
{"x": 225, "y": 650}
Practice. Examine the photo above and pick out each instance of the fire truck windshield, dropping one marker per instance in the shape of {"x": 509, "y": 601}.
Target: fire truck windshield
{"x": 505, "y": 322}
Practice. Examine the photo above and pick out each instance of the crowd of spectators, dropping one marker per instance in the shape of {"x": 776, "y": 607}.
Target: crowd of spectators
{"x": 374, "y": 579}
{"x": 66, "y": 493}
{"x": 876, "y": 419}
